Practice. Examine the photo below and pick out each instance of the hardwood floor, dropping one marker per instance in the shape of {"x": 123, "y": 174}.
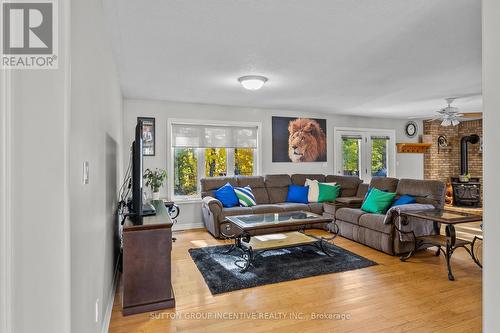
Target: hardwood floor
{"x": 392, "y": 296}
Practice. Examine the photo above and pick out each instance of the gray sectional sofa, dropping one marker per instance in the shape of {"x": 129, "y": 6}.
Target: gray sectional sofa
{"x": 271, "y": 191}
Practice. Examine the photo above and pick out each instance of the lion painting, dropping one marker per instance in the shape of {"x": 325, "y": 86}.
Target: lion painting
{"x": 306, "y": 140}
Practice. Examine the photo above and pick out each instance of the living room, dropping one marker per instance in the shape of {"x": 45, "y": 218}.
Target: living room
{"x": 258, "y": 166}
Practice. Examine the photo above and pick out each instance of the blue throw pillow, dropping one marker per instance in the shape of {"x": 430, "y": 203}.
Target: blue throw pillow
{"x": 226, "y": 195}
{"x": 297, "y": 194}
{"x": 404, "y": 200}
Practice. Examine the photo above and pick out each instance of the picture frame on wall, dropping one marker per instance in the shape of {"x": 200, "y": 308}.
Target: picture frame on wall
{"x": 297, "y": 139}
{"x": 148, "y": 135}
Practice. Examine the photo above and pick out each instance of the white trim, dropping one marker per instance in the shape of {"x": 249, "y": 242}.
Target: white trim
{"x": 110, "y": 301}
{"x": 6, "y": 248}
{"x": 366, "y": 155}
{"x": 187, "y": 226}
{"x": 65, "y": 32}
{"x": 170, "y": 156}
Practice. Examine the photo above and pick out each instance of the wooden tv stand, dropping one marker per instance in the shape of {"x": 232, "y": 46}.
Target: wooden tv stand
{"x": 147, "y": 277}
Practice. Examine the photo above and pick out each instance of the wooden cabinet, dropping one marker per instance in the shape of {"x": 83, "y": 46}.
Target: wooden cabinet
{"x": 147, "y": 277}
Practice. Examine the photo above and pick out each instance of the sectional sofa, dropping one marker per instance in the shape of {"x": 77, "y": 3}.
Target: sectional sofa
{"x": 270, "y": 192}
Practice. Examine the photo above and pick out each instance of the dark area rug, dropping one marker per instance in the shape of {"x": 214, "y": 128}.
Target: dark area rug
{"x": 222, "y": 275}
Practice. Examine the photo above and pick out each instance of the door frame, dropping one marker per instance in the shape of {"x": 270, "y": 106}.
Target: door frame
{"x": 366, "y": 152}
{"x": 6, "y": 283}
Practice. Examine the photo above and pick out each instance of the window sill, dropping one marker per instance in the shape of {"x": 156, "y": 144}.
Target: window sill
{"x": 187, "y": 200}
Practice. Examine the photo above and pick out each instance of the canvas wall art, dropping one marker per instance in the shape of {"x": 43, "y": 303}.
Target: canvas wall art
{"x": 299, "y": 139}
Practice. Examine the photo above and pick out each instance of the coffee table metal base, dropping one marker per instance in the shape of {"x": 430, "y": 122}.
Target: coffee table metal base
{"x": 253, "y": 246}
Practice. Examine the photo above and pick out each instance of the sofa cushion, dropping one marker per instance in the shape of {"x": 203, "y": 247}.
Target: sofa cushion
{"x": 328, "y": 192}
{"x": 375, "y": 222}
{"x": 245, "y": 196}
{"x": 313, "y": 194}
{"x": 277, "y": 187}
{"x": 349, "y": 200}
{"x": 297, "y": 194}
{"x": 300, "y": 178}
{"x": 404, "y": 200}
{"x": 348, "y": 184}
{"x": 350, "y": 215}
{"x": 316, "y": 207}
{"x": 258, "y": 187}
{"x": 234, "y": 211}
{"x": 386, "y": 184}
{"x": 425, "y": 191}
{"x": 264, "y": 209}
{"x": 227, "y": 196}
{"x": 292, "y": 206}
{"x": 378, "y": 201}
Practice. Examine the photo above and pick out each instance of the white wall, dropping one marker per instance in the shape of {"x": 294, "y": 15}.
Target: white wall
{"x": 61, "y": 233}
{"x": 95, "y": 136}
{"x": 37, "y": 200}
{"x": 408, "y": 165}
{"x": 491, "y": 107}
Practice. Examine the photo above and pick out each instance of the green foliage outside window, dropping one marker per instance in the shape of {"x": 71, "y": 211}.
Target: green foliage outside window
{"x": 185, "y": 171}
{"x": 379, "y": 157}
{"x": 350, "y": 155}
{"x": 243, "y": 161}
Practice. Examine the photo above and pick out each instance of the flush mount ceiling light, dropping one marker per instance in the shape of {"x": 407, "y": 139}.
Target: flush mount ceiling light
{"x": 252, "y": 82}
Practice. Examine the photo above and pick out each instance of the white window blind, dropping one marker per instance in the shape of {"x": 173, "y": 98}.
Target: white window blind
{"x": 209, "y": 136}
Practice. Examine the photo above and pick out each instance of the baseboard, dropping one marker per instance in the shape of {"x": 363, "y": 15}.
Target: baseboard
{"x": 187, "y": 226}
{"x": 111, "y": 300}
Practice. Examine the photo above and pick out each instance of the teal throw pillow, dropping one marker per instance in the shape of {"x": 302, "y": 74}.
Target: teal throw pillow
{"x": 377, "y": 201}
{"x": 328, "y": 193}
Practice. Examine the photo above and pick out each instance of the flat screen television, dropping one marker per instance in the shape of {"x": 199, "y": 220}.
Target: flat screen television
{"x": 138, "y": 207}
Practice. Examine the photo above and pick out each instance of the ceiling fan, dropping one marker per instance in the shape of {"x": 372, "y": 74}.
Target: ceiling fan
{"x": 450, "y": 115}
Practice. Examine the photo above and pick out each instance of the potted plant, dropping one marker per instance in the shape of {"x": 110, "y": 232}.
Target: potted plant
{"x": 155, "y": 179}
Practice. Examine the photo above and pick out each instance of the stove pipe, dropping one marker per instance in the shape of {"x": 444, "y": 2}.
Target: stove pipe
{"x": 464, "y": 163}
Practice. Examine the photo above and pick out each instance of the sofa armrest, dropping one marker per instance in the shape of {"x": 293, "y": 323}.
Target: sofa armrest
{"x": 211, "y": 210}
{"x": 349, "y": 201}
{"x": 213, "y": 203}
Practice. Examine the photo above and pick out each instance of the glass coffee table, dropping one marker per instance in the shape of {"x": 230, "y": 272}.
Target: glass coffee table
{"x": 252, "y": 246}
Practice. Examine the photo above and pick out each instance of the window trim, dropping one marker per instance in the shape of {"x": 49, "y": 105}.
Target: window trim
{"x": 170, "y": 151}
{"x": 364, "y": 133}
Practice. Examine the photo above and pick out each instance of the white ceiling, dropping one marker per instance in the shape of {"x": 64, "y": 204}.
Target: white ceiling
{"x": 384, "y": 58}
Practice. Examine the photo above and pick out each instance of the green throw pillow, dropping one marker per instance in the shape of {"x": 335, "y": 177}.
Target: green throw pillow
{"x": 378, "y": 202}
{"x": 328, "y": 193}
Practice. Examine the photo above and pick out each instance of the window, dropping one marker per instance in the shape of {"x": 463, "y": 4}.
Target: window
{"x": 185, "y": 172}
{"x": 200, "y": 151}
{"x": 365, "y": 153}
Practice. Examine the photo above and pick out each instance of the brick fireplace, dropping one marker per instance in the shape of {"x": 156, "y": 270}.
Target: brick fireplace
{"x": 444, "y": 163}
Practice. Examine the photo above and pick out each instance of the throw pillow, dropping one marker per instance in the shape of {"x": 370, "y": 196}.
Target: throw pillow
{"x": 226, "y": 196}
{"x": 313, "y": 190}
{"x": 377, "y": 201}
{"x": 297, "y": 194}
{"x": 404, "y": 200}
{"x": 245, "y": 196}
{"x": 328, "y": 192}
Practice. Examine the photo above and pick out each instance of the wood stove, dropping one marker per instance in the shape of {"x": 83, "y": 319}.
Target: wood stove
{"x": 466, "y": 190}
{"x": 466, "y": 193}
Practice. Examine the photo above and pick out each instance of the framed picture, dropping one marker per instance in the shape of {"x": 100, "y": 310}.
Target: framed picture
{"x": 299, "y": 139}
{"x": 148, "y": 136}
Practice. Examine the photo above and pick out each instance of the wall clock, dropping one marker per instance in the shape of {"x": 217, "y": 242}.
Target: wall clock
{"x": 411, "y": 129}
